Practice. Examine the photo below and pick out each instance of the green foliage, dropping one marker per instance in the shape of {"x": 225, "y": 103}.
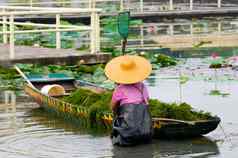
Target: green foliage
{"x": 181, "y": 111}
{"x": 218, "y": 93}
{"x": 215, "y": 66}
{"x": 183, "y": 79}
{"x": 32, "y": 69}
{"x": 9, "y": 79}
{"x": 216, "y": 63}
{"x": 99, "y": 104}
{"x": 160, "y": 59}
{"x": 165, "y": 60}
{"x": 90, "y": 73}
{"x": 8, "y": 74}
{"x": 84, "y": 97}
{"x": 115, "y": 52}
{"x": 47, "y": 39}
{"x": 110, "y": 29}
{"x": 201, "y": 44}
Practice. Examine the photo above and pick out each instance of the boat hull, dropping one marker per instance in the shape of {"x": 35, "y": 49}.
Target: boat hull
{"x": 163, "y": 128}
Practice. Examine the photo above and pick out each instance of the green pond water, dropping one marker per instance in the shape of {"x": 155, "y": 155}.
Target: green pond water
{"x": 27, "y": 133}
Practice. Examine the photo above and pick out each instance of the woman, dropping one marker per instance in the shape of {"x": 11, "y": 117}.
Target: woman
{"x": 132, "y": 124}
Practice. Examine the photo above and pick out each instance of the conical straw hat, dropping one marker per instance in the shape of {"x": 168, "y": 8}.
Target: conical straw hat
{"x": 128, "y": 69}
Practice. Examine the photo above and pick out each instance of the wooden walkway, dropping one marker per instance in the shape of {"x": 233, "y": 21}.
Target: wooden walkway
{"x": 26, "y": 54}
{"x": 146, "y": 14}
{"x": 187, "y": 13}
{"x": 177, "y": 42}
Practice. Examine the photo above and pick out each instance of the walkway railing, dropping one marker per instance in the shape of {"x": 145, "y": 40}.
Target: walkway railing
{"x": 136, "y": 6}
{"x": 185, "y": 35}
{"x": 9, "y": 13}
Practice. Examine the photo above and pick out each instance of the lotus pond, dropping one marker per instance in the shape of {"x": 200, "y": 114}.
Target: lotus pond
{"x": 27, "y": 132}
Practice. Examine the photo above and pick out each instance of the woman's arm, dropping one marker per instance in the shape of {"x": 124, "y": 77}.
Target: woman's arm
{"x": 145, "y": 94}
{"x": 116, "y": 98}
{"x": 114, "y": 105}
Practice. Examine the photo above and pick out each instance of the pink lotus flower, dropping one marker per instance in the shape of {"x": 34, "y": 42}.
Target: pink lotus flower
{"x": 234, "y": 58}
{"x": 214, "y": 55}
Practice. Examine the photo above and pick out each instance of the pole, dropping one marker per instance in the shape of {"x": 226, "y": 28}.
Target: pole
{"x": 12, "y": 38}
{"x": 31, "y": 3}
{"x": 171, "y": 28}
{"x": 219, "y": 3}
{"x": 124, "y": 42}
{"x": 97, "y": 35}
{"x": 141, "y": 6}
{"x": 92, "y": 34}
{"x": 191, "y": 4}
{"x": 142, "y": 35}
{"x": 171, "y": 5}
{"x": 4, "y": 28}
{"x": 58, "y": 37}
{"x": 24, "y": 76}
{"x": 121, "y": 5}
{"x": 191, "y": 29}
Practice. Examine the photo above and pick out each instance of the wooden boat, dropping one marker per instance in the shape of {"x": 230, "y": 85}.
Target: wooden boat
{"x": 163, "y": 128}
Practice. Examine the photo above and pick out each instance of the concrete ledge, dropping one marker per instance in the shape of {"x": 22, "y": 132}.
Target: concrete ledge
{"x": 37, "y": 55}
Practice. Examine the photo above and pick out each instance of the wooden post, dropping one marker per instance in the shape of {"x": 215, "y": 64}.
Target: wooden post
{"x": 31, "y": 3}
{"x": 94, "y": 4}
{"x": 191, "y": 5}
{"x": 4, "y": 28}
{"x": 171, "y": 29}
{"x": 219, "y": 28}
{"x": 10, "y": 98}
{"x": 92, "y": 33}
{"x": 141, "y": 6}
{"x": 171, "y": 7}
{"x": 191, "y": 28}
{"x": 142, "y": 35}
{"x": 97, "y": 32}
{"x": 219, "y": 3}
{"x": 90, "y": 4}
{"x": 12, "y": 37}
{"x": 58, "y": 37}
{"x": 121, "y": 5}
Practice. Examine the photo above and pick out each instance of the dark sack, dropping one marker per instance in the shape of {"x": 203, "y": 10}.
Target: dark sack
{"x": 132, "y": 125}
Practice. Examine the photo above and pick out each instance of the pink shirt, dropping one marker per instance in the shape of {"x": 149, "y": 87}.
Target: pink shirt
{"x": 131, "y": 94}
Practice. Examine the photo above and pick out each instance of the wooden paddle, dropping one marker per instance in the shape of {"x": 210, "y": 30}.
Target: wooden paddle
{"x": 174, "y": 120}
{"x": 24, "y": 76}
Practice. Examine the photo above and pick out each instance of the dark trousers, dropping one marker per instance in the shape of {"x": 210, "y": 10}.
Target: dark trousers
{"x": 132, "y": 125}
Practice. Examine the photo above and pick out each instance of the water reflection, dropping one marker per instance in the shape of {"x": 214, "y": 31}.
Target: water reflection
{"x": 50, "y": 120}
{"x": 8, "y": 120}
{"x": 158, "y": 148}
{"x": 185, "y": 33}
